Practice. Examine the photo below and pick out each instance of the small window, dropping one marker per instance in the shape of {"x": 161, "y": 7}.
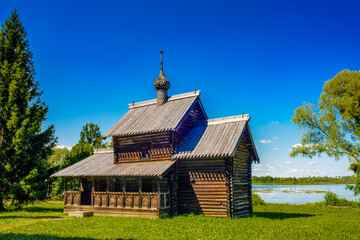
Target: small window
{"x": 192, "y": 181}
{"x": 164, "y": 200}
{"x": 145, "y": 152}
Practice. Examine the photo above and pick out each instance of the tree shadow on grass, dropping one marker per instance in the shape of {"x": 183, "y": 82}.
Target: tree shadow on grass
{"x": 6, "y": 236}
{"x": 41, "y": 209}
{"x": 280, "y": 215}
{"x": 30, "y": 217}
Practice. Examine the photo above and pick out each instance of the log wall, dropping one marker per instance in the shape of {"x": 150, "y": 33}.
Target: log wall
{"x": 173, "y": 186}
{"x": 147, "y": 147}
{"x": 203, "y": 187}
{"x": 240, "y": 181}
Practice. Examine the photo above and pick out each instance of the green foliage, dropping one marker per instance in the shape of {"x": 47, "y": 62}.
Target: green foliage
{"x": 76, "y": 154}
{"x": 90, "y": 138}
{"x": 109, "y": 144}
{"x": 257, "y": 200}
{"x": 91, "y": 135}
{"x": 334, "y": 127}
{"x": 273, "y": 221}
{"x": 24, "y": 145}
{"x": 58, "y": 156}
{"x": 332, "y": 199}
{"x": 302, "y": 180}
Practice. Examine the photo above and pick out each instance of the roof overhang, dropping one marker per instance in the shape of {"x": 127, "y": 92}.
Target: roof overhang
{"x": 102, "y": 165}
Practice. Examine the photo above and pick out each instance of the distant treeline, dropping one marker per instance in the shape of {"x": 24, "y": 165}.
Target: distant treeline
{"x": 302, "y": 180}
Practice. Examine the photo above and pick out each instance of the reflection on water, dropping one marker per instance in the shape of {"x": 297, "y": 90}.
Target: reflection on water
{"x": 299, "y": 194}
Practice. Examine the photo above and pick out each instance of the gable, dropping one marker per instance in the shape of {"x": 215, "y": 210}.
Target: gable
{"x": 249, "y": 142}
{"x": 215, "y": 138}
{"x": 196, "y": 113}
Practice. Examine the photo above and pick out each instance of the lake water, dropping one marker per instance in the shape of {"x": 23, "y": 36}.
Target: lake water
{"x": 299, "y": 194}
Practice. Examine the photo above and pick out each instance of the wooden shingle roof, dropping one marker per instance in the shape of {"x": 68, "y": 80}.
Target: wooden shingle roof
{"x": 214, "y": 138}
{"x": 147, "y": 117}
{"x": 102, "y": 165}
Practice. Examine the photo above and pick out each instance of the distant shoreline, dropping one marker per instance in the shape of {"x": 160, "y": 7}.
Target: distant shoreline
{"x": 324, "y": 183}
{"x": 268, "y": 180}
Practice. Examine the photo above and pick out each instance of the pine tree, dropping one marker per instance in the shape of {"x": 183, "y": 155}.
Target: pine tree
{"x": 24, "y": 145}
{"x": 91, "y": 135}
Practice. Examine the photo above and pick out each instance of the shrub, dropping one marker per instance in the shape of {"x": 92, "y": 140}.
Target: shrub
{"x": 332, "y": 199}
{"x": 257, "y": 200}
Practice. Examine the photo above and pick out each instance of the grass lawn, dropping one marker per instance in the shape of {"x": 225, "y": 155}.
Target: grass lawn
{"x": 273, "y": 221}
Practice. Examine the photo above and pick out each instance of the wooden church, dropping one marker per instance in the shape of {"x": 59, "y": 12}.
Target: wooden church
{"x": 168, "y": 159}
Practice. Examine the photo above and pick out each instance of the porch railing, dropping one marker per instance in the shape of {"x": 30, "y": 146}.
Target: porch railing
{"x": 125, "y": 200}
{"x": 122, "y": 200}
{"x": 71, "y": 198}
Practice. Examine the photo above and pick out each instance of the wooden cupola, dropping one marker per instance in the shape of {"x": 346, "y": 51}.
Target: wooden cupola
{"x": 161, "y": 85}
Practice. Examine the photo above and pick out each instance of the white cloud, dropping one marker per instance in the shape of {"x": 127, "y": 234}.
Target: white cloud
{"x": 296, "y": 170}
{"x": 273, "y": 122}
{"x": 275, "y": 149}
{"x": 312, "y": 163}
{"x": 319, "y": 172}
{"x": 288, "y": 162}
{"x": 62, "y": 146}
{"x": 300, "y": 145}
{"x": 257, "y": 167}
{"x": 266, "y": 141}
{"x": 270, "y": 168}
{"x": 275, "y": 138}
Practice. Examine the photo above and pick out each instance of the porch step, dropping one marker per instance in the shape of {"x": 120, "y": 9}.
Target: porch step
{"x": 80, "y": 214}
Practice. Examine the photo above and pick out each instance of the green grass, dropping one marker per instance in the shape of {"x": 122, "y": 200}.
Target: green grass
{"x": 273, "y": 221}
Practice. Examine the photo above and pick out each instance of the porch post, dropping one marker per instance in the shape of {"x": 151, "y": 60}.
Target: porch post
{"x": 124, "y": 184}
{"x": 124, "y": 190}
{"x": 92, "y": 190}
{"x": 79, "y": 199}
{"x": 140, "y": 191}
{"x": 158, "y": 193}
{"x": 107, "y": 190}
{"x": 66, "y": 187}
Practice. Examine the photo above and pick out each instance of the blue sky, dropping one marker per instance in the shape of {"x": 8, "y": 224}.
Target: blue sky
{"x": 264, "y": 58}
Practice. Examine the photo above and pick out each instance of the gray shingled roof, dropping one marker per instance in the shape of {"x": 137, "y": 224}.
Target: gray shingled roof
{"x": 102, "y": 165}
{"x": 147, "y": 117}
{"x": 213, "y": 138}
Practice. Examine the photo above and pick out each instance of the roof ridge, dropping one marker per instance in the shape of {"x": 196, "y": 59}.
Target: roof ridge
{"x": 237, "y": 118}
{"x": 171, "y": 98}
{"x": 103, "y": 150}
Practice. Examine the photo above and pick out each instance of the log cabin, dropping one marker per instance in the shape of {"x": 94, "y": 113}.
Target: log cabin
{"x": 168, "y": 159}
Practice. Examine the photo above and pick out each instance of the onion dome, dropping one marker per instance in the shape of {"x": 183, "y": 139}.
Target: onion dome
{"x": 161, "y": 84}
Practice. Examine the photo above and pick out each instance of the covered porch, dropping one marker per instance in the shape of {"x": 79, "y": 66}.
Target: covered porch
{"x": 138, "y": 189}
{"x": 138, "y": 197}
